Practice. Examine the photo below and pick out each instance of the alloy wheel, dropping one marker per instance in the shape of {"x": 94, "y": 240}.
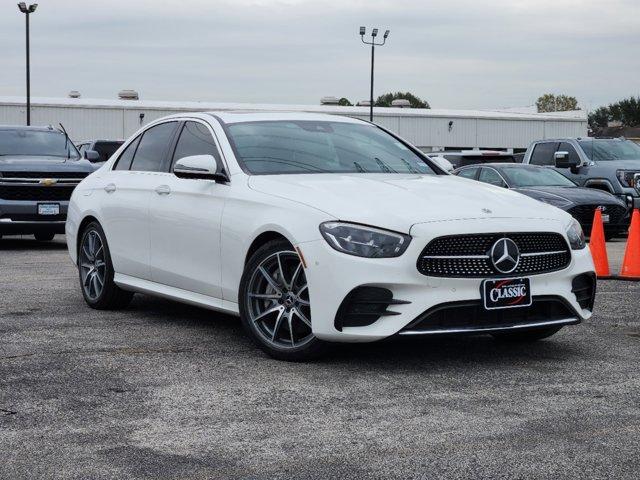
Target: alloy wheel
{"x": 93, "y": 267}
{"x": 278, "y": 301}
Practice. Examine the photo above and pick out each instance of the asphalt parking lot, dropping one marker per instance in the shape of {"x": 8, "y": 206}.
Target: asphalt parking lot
{"x": 166, "y": 390}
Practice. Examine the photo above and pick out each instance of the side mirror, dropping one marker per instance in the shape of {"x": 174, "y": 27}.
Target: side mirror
{"x": 443, "y": 163}
{"x": 562, "y": 160}
{"x": 204, "y": 167}
{"x": 92, "y": 155}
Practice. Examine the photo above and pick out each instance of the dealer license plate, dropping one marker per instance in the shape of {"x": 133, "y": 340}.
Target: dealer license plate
{"x": 48, "y": 209}
{"x": 506, "y": 293}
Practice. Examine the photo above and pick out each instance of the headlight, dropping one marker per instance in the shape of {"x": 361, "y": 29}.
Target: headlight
{"x": 556, "y": 201}
{"x": 364, "y": 241}
{"x": 575, "y": 235}
{"x": 628, "y": 178}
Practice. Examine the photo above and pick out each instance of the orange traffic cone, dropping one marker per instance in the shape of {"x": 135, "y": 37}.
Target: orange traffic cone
{"x": 631, "y": 262}
{"x": 598, "y": 246}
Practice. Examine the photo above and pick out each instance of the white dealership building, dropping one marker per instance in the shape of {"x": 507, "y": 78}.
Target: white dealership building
{"x": 428, "y": 129}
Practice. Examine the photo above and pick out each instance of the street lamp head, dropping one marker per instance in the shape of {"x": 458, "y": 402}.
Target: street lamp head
{"x": 374, "y": 32}
{"x": 386, "y": 34}
{"x": 23, "y": 7}
{"x": 362, "y": 31}
{"x": 32, "y": 8}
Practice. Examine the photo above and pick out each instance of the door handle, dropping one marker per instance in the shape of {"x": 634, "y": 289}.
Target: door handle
{"x": 110, "y": 188}
{"x": 163, "y": 190}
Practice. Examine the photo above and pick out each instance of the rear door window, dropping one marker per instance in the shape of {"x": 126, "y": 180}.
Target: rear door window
{"x": 154, "y": 145}
{"x": 124, "y": 161}
{"x": 468, "y": 173}
{"x": 489, "y": 175}
{"x": 543, "y": 153}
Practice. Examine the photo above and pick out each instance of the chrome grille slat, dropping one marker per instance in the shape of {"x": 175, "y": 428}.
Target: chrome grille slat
{"x": 467, "y": 256}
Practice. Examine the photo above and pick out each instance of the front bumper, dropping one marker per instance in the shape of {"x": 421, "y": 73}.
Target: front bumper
{"x": 22, "y": 218}
{"x": 333, "y": 275}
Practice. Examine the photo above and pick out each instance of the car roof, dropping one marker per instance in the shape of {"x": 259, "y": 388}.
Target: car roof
{"x": 253, "y": 116}
{"x": 31, "y": 128}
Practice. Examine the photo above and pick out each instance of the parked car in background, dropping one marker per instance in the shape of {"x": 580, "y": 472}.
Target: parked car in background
{"x": 473, "y": 157}
{"x": 320, "y": 228}
{"x": 609, "y": 164}
{"x": 551, "y": 187}
{"x": 104, "y": 148}
{"x": 39, "y": 168}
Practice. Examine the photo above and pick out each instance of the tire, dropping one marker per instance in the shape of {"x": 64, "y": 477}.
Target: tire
{"x": 274, "y": 304}
{"x": 44, "y": 236}
{"x": 526, "y": 336}
{"x": 95, "y": 271}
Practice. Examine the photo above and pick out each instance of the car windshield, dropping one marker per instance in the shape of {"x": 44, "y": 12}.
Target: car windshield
{"x": 49, "y": 143}
{"x": 273, "y": 147}
{"x": 599, "y": 150}
{"x": 535, "y": 177}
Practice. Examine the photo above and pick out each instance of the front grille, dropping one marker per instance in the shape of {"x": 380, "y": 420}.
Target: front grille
{"x": 584, "y": 214}
{"x": 73, "y": 175}
{"x": 471, "y": 315}
{"x": 467, "y": 256}
{"x": 35, "y": 192}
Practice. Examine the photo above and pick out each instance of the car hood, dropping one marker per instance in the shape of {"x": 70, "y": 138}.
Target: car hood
{"x": 618, "y": 164}
{"x": 397, "y": 201}
{"x": 576, "y": 195}
{"x": 24, "y": 163}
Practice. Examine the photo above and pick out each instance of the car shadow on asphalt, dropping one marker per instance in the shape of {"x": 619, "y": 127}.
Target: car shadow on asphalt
{"x": 396, "y": 353}
{"x": 27, "y": 242}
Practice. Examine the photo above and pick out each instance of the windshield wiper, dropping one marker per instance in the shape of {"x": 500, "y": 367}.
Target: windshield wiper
{"x": 67, "y": 140}
{"x": 383, "y": 166}
{"x": 359, "y": 167}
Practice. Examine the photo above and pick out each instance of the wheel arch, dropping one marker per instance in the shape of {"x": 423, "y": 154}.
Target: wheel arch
{"x": 85, "y": 221}
{"x": 262, "y": 239}
{"x": 600, "y": 184}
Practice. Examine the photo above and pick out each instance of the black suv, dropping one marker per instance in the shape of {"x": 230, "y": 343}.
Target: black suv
{"x": 39, "y": 168}
{"x": 609, "y": 164}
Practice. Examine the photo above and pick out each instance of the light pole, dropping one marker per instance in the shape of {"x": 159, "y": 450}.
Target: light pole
{"x": 27, "y": 11}
{"x": 374, "y": 34}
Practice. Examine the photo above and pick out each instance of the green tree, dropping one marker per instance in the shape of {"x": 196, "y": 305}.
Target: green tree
{"x": 599, "y": 118}
{"x": 386, "y": 99}
{"x": 626, "y": 111}
{"x": 550, "y": 102}
{"x": 344, "y": 102}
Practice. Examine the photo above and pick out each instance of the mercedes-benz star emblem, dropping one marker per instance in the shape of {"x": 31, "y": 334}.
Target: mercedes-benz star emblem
{"x": 505, "y": 255}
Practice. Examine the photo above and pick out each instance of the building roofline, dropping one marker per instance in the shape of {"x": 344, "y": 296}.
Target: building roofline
{"x": 63, "y": 102}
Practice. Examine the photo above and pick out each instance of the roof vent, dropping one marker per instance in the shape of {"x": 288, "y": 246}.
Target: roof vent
{"x": 363, "y": 103}
{"x": 329, "y": 101}
{"x": 128, "y": 95}
{"x": 401, "y": 103}
{"x": 74, "y": 94}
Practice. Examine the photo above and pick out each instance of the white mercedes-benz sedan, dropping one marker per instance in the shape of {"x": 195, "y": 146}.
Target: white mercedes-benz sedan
{"x": 317, "y": 229}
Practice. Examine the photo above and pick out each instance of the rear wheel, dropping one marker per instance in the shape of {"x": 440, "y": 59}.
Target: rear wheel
{"x": 274, "y": 304}
{"x": 96, "y": 271}
{"x": 526, "y": 336}
{"x": 44, "y": 236}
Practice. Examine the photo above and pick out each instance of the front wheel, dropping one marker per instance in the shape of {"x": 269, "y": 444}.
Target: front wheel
{"x": 44, "y": 236}
{"x": 526, "y": 336}
{"x": 275, "y": 306}
{"x": 96, "y": 271}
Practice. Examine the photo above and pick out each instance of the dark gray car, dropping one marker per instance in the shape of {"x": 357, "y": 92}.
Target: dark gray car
{"x": 39, "y": 168}
{"x": 609, "y": 164}
{"x": 549, "y": 186}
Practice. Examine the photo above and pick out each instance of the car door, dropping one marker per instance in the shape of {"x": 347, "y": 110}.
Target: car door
{"x": 543, "y": 154}
{"x": 185, "y": 219}
{"x": 581, "y": 174}
{"x": 125, "y": 201}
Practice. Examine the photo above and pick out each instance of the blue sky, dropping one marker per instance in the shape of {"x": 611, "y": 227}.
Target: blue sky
{"x": 455, "y": 54}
